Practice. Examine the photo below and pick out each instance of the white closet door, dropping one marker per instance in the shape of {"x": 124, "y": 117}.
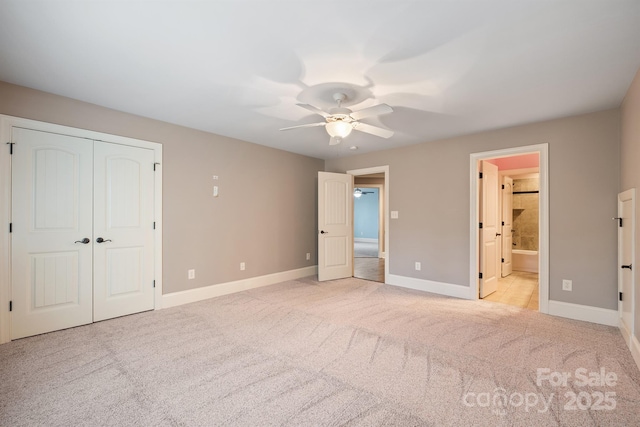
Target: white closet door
{"x": 52, "y": 214}
{"x": 123, "y": 218}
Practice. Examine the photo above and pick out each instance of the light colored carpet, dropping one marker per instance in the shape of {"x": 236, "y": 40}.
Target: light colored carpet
{"x": 346, "y": 352}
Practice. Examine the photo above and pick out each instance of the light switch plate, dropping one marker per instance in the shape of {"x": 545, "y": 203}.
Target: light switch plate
{"x": 394, "y": 214}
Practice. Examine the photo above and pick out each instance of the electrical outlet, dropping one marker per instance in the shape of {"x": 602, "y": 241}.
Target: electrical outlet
{"x": 308, "y": 256}
{"x": 567, "y": 285}
{"x": 242, "y": 266}
{"x": 418, "y": 266}
{"x": 191, "y": 274}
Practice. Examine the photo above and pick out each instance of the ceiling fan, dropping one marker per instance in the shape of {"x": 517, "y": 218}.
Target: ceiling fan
{"x": 357, "y": 193}
{"x": 340, "y": 121}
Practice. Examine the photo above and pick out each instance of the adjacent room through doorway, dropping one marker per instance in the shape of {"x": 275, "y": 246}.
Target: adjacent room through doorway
{"x": 511, "y": 248}
{"x": 368, "y": 225}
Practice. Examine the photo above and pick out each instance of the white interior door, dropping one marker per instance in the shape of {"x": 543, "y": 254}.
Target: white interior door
{"x": 626, "y": 231}
{"x": 52, "y": 214}
{"x": 507, "y": 225}
{"x": 488, "y": 233}
{"x": 82, "y": 231}
{"x": 123, "y": 230}
{"x": 335, "y": 226}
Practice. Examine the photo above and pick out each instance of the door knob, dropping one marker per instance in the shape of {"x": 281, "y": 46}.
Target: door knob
{"x": 324, "y": 232}
{"x": 101, "y": 240}
{"x": 626, "y": 266}
{"x": 85, "y": 241}
{"x": 498, "y": 234}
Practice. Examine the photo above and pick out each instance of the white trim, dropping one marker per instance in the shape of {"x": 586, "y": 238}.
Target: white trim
{"x": 6, "y": 124}
{"x": 543, "y": 249}
{"x": 634, "y": 346}
{"x": 585, "y": 313}
{"x": 364, "y": 240}
{"x": 385, "y": 170}
{"x": 628, "y": 195}
{"x": 626, "y": 333}
{"x": 5, "y": 238}
{"x": 448, "y": 289}
{"x": 198, "y": 294}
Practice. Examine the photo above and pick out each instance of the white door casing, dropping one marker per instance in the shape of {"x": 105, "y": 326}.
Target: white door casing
{"x": 488, "y": 233}
{"x": 123, "y": 219}
{"x": 474, "y": 207}
{"x": 384, "y": 191}
{"x": 335, "y": 226}
{"x": 52, "y": 205}
{"x": 507, "y": 225}
{"x": 626, "y": 255}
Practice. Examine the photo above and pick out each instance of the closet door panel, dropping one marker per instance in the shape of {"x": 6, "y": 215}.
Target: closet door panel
{"x": 123, "y": 228}
{"x": 51, "y": 215}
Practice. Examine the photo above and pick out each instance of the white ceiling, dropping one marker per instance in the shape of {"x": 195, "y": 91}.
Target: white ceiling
{"x": 238, "y": 67}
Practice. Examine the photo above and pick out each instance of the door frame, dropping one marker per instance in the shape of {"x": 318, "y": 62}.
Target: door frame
{"x": 626, "y": 333}
{"x": 6, "y": 125}
{"x": 543, "y": 249}
{"x": 385, "y": 170}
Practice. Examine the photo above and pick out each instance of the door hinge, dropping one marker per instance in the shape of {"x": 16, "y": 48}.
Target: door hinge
{"x": 154, "y": 225}
{"x": 480, "y": 225}
{"x": 480, "y": 175}
{"x": 11, "y": 304}
{"x": 154, "y": 166}
{"x": 480, "y": 276}
{"x": 503, "y": 186}
{"x": 502, "y": 259}
{"x": 620, "y": 296}
{"x": 10, "y": 144}
{"x": 10, "y": 227}
{"x": 154, "y": 283}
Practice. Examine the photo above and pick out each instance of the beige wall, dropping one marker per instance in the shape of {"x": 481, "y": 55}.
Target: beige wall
{"x": 630, "y": 169}
{"x": 433, "y": 224}
{"x": 265, "y": 214}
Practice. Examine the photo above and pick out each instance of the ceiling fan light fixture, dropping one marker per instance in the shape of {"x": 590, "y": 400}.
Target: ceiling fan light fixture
{"x": 339, "y": 129}
{"x": 357, "y": 193}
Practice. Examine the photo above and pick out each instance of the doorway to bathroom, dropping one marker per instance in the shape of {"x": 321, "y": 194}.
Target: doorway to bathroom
{"x": 510, "y": 236}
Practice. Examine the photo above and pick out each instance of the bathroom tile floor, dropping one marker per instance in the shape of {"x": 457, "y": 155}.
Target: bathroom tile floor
{"x": 519, "y": 288}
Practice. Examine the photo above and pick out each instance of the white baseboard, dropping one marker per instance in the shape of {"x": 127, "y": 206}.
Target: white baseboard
{"x": 634, "y": 346}
{"x": 198, "y": 294}
{"x": 364, "y": 240}
{"x": 586, "y": 313}
{"x": 441, "y": 288}
{"x": 626, "y": 333}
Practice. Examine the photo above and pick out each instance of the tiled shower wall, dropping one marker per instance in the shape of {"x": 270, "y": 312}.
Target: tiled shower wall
{"x": 525, "y": 214}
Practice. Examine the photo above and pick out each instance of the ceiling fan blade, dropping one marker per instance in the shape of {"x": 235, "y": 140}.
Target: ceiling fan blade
{"x": 373, "y": 130}
{"x": 376, "y": 110}
{"x": 314, "y": 110}
{"x": 310, "y": 125}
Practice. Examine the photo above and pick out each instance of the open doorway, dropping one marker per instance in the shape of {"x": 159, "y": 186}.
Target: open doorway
{"x": 370, "y": 253}
{"x": 510, "y": 251}
{"x": 368, "y": 262}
